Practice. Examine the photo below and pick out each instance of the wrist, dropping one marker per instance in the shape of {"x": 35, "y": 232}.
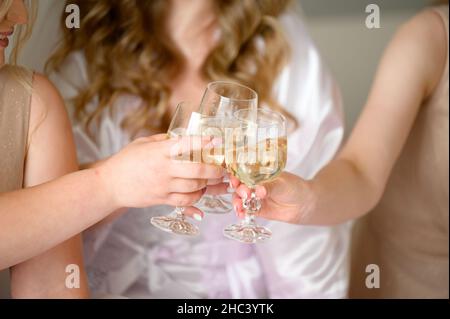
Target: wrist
{"x": 104, "y": 187}
{"x": 308, "y": 202}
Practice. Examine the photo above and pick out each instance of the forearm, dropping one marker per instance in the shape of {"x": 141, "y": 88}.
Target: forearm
{"x": 339, "y": 192}
{"x": 111, "y": 217}
{"x": 46, "y": 276}
{"x": 53, "y": 212}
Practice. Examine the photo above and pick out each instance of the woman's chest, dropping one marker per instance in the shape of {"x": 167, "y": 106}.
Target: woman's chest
{"x": 189, "y": 86}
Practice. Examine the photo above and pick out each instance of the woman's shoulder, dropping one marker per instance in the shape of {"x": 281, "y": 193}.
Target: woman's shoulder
{"x": 13, "y": 76}
{"x": 425, "y": 38}
{"x": 425, "y": 30}
{"x": 44, "y": 89}
{"x": 426, "y": 23}
{"x": 8, "y": 68}
{"x": 38, "y": 96}
{"x": 47, "y": 106}
{"x": 38, "y": 86}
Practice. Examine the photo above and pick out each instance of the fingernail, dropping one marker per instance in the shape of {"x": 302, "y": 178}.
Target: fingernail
{"x": 198, "y": 217}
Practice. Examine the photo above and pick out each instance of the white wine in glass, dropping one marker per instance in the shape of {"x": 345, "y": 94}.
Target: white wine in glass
{"x": 180, "y": 126}
{"x": 259, "y": 156}
{"x": 270, "y": 162}
{"x": 220, "y": 100}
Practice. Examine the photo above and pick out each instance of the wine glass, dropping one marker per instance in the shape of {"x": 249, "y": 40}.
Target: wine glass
{"x": 184, "y": 123}
{"x": 260, "y": 153}
{"x": 220, "y": 100}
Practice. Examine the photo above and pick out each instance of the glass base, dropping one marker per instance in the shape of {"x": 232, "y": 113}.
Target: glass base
{"x": 175, "y": 225}
{"x": 211, "y": 204}
{"x": 247, "y": 233}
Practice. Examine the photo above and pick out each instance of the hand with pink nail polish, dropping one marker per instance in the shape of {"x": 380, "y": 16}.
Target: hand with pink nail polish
{"x": 283, "y": 199}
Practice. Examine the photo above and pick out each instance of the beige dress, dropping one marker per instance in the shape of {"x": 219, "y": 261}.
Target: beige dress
{"x": 14, "y": 119}
{"x": 406, "y": 235}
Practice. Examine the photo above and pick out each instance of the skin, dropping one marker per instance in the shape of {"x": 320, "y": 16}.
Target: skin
{"x": 44, "y": 219}
{"x": 353, "y": 183}
{"x": 44, "y": 275}
{"x": 191, "y": 25}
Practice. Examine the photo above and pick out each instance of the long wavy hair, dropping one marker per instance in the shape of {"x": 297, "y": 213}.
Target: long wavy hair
{"x": 128, "y": 52}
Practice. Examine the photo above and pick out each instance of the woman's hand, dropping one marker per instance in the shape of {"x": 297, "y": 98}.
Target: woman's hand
{"x": 144, "y": 173}
{"x": 285, "y": 199}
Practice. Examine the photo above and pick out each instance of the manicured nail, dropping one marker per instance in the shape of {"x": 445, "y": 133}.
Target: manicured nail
{"x": 198, "y": 217}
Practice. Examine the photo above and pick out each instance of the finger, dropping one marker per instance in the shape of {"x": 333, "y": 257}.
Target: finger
{"x": 181, "y": 185}
{"x": 234, "y": 181}
{"x": 151, "y": 138}
{"x": 184, "y": 146}
{"x": 218, "y": 189}
{"x": 261, "y": 191}
{"x": 183, "y": 200}
{"x": 194, "y": 213}
{"x": 157, "y": 137}
{"x": 243, "y": 191}
{"x": 237, "y": 205}
{"x": 196, "y": 170}
{"x": 215, "y": 181}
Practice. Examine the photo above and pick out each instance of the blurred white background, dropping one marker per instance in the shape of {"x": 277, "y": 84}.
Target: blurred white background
{"x": 348, "y": 47}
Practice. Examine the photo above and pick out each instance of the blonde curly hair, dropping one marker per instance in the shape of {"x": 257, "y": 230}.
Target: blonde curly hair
{"x": 128, "y": 52}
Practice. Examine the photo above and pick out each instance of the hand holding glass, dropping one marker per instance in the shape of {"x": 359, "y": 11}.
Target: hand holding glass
{"x": 259, "y": 152}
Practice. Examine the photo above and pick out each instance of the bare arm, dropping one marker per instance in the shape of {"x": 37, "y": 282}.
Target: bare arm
{"x": 115, "y": 214}
{"x": 351, "y": 185}
{"x": 54, "y": 211}
{"x": 35, "y": 219}
{"x": 409, "y": 71}
{"x": 51, "y": 154}
{"x": 50, "y": 213}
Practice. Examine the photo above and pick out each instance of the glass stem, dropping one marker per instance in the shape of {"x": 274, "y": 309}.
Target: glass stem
{"x": 252, "y": 206}
{"x": 180, "y": 212}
